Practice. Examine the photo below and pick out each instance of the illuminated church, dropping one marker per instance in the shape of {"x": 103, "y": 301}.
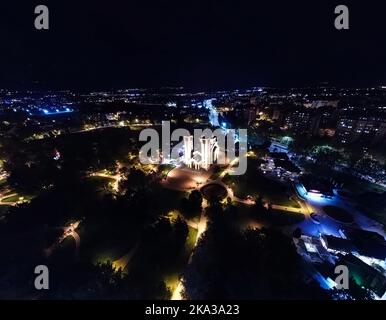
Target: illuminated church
{"x": 200, "y": 159}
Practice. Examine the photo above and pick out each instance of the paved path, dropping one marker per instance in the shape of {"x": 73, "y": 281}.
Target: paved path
{"x": 68, "y": 231}
{"x": 289, "y": 209}
{"x": 117, "y": 178}
{"x": 201, "y": 228}
{"x": 14, "y": 203}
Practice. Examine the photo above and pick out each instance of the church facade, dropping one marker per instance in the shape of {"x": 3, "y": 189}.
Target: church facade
{"x": 203, "y": 159}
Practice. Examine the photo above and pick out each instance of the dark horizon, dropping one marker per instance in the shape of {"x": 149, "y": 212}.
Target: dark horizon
{"x": 184, "y": 89}
{"x": 198, "y": 45}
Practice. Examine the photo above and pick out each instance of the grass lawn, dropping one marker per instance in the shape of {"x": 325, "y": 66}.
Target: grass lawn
{"x": 106, "y": 239}
{"x": 191, "y": 240}
{"x": 171, "y": 281}
{"x": 107, "y": 251}
{"x": 16, "y": 198}
{"x": 284, "y": 218}
{"x": 257, "y": 184}
{"x": 274, "y": 217}
{"x": 217, "y": 172}
{"x": 11, "y": 199}
{"x": 105, "y": 254}
{"x": 171, "y": 199}
{"x": 100, "y": 183}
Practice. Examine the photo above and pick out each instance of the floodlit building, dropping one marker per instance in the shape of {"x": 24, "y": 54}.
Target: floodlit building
{"x": 208, "y": 154}
{"x": 188, "y": 148}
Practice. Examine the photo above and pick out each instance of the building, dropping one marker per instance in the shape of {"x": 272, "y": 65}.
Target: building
{"x": 368, "y": 243}
{"x": 302, "y": 121}
{"x": 280, "y": 163}
{"x": 363, "y": 274}
{"x": 208, "y": 154}
{"x": 278, "y": 147}
{"x": 188, "y": 148}
{"x": 338, "y": 244}
{"x": 361, "y": 128}
{"x": 316, "y": 187}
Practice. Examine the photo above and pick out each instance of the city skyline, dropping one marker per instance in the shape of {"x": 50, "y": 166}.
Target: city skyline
{"x": 313, "y": 191}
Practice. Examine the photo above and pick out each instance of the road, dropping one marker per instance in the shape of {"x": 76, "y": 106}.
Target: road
{"x": 68, "y": 231}
{"x": 116, "y": 177}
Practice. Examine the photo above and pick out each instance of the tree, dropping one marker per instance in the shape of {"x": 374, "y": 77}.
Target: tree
{"x": 355, "y": 292}
{"x": 259, "y": 210}
{"x": 297, "y": 233}
{"x": 326, "y": 156}
{"x": 192, "y": 205}
{"x": 214, "y": 210}
{"x": 269, "y": 207}
{"x": 181, "y": 232}
{"x": 301, "y": 145}
{"x": 136, "y": 181}
{"x": 196, "y": 198}
{"x": 254, "y": 264}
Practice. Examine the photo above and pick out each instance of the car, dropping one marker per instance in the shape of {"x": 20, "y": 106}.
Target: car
{"x": 315, "y": 218}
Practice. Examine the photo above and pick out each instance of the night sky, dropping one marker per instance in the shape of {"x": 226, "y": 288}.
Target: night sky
{"x": 199, "y": 44}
